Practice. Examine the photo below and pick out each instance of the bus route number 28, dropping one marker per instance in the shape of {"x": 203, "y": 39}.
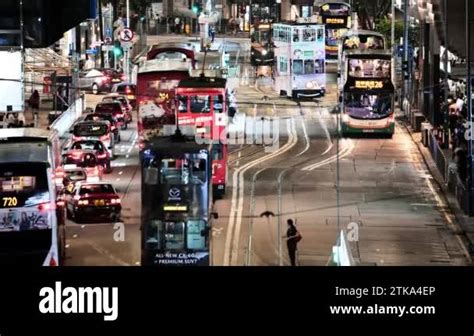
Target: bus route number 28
{"x": 10, "y": 201}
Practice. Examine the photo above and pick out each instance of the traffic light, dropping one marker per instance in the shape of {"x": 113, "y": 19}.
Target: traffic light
{"x": 406, "y": 70}
{"x": 197, "y": 8}
{"x": 118, "y": 50}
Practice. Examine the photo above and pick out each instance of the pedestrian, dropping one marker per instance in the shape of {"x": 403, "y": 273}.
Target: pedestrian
{"x": 212, "y": 33}
{"x": 34, "y": 102}
{"x": 292, "y": 239}
{"x": 177, "y": 24}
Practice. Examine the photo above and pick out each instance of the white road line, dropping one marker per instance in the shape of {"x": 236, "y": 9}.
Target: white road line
{"x": 306, "y": 138}
{"x": 348, "y": 147}
{"x": 248, "y": 261}
{"x": 235, "y": 219}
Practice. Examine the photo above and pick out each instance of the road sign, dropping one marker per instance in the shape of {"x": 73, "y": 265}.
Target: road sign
{"x": 91, "y": 51}
{"x": 128, "y": 44}
{"x": 126, "y": 35}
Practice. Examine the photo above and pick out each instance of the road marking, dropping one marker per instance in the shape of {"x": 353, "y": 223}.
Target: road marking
{"x": 248, "y": 260}
{"x": 348, "y": 147}
{"x": 235, "y": 219}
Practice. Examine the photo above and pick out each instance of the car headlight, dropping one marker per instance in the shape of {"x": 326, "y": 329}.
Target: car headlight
{"x": 264, "y": 52}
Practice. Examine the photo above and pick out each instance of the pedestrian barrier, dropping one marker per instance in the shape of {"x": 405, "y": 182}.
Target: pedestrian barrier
{"x": 438, "y": 156}
{"x": 68, "y": 117}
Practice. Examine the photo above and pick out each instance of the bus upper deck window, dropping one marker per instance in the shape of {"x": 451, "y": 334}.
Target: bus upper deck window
{"x": 296, "y": 35}
{"x": 182, "y": 104}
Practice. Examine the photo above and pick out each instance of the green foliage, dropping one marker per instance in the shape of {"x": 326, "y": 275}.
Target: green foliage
{"x": 384, "y": 26}
{"x": 371, "y": 11}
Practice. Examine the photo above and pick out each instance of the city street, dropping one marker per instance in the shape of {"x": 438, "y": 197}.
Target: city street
{"x": 386, "y": 193}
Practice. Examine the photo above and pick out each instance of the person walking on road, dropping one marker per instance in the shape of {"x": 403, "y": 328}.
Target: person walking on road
{"x": 292, "y": 239}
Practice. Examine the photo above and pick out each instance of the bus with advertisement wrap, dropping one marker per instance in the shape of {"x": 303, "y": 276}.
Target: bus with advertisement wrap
{"x": 31, "y": 222}
{"x": 300, "y": 58}
{"x": 336, "y": 16}
{"x": 367, "y": 97}
{"x": 202, "y": 102}
{"x": 156, "y": 83}
{"x": 176, "y": 201}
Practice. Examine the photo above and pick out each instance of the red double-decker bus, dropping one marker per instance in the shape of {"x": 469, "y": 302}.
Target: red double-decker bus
{"x": 202, "y": 102}
{"x": 156, "y": 83}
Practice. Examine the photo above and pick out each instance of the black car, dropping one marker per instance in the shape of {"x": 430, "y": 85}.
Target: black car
{"x": 114, "y": 127}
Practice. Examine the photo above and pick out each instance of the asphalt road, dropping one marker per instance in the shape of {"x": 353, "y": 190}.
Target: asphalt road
{"x": 385, "y": 193}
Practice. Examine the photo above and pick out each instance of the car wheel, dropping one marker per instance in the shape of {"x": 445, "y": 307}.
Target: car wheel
{"x": 95, "y": 89}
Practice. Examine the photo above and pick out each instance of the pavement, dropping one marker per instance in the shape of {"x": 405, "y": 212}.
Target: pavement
{"x": 466, "y": 223}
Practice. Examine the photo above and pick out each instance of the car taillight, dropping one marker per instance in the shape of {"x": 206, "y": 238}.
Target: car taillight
{"x": 83, "y": 202}
{"x": 115, "y": 201}
{"x": 52, "y": 262}
{"x": 120, "y": 115}
{"x": 102, "y": 156}
{"x": 128, "y": 91}
{"x": 45, "y": 206}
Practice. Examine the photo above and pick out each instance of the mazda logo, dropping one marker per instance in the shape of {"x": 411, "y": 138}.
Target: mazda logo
{"x": 174, "y": 193}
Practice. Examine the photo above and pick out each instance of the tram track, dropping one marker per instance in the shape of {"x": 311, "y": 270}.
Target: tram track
{"x": 276, "y": 188}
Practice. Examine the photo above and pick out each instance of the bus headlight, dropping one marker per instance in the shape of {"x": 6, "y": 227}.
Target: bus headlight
{"x": 309, "y": 85}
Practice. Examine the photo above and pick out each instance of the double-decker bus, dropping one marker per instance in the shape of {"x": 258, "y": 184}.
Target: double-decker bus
{"x": 300, "y": 59}
{"x": 202, "y": 102}
{"x": 359, "y": 40}
{"x": 261, "y": 47}
{"x": 31, "y": 223}
{"x": 336, "y": 16}
{"x": 176, "y": 201}
{"x": 156, "y": 83}
{"x": 368, "y": 95}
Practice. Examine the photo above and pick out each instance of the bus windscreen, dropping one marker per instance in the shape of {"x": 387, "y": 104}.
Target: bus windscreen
{"x": 370, "y": 68}
{"x": 368, "y": 106}
{"x": 363, "y": 42}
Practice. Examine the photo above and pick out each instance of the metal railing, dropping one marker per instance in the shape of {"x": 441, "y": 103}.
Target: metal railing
{"x": 438, "y": 156}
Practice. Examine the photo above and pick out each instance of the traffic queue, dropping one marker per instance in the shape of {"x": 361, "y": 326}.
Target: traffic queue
{"x": 86, "y": 159}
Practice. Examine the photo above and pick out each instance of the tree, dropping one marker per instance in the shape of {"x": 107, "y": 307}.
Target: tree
{"x": 371, "y": 11}
{"x": 384, "y": 26}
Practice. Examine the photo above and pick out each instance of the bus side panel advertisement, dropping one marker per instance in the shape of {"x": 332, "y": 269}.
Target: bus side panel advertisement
{"x": 23, "y": 220}
{"x": 182, "y": 258}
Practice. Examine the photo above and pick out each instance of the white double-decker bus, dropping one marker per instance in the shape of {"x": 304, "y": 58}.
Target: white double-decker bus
{"x": 367, "y": 93}
{"x": 299, "y": 59}
{"x": 31, "y": 221}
